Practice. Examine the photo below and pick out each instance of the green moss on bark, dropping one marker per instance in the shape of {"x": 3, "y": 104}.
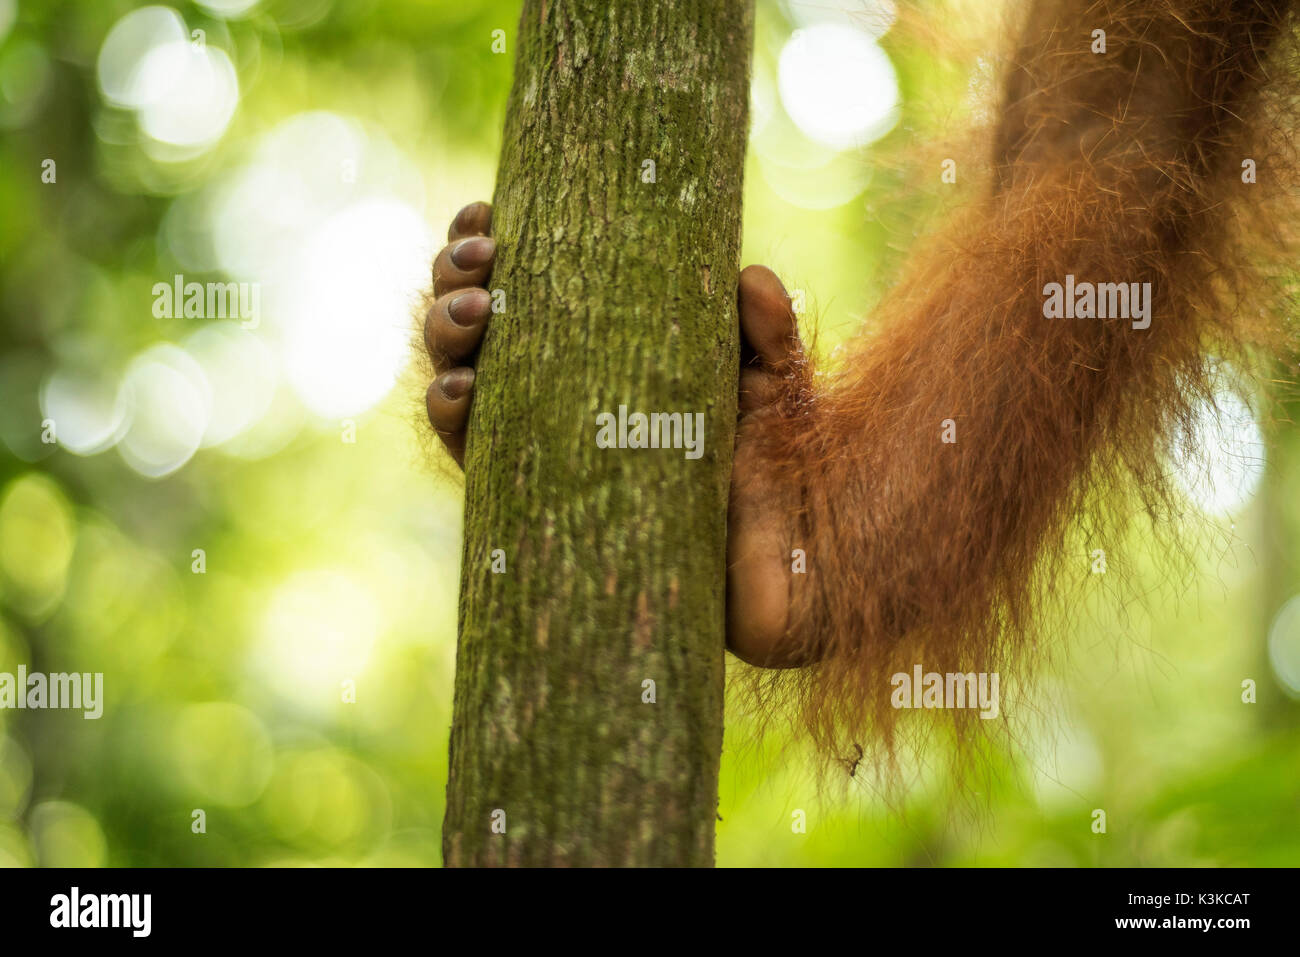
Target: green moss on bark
{"x": 618, "y": 292}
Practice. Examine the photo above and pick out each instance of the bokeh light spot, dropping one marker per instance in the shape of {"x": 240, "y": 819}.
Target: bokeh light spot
{"x": 88, "y": 412}
{"x": 228, "y": 9}
{"x": 838, "y": 86}
{"x": 241, "y": 373}
{"x": 357, "y": 279}
{"x": 189, "y": 94}
{"x": 37, "y": 535}
{"x": 184, "y": 92}
{"x": 170, "y": 403}
{"x": 67, "y": 835}
{"x": 222, "y": 752}
{"x": 319, "y": 630}
{"x": 1284, "y": 647}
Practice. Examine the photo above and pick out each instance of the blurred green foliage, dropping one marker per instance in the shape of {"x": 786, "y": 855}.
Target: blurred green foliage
{"x": 329, "y": 546}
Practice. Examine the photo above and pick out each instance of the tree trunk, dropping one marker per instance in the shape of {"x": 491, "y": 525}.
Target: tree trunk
{"x": 617, "y": 214}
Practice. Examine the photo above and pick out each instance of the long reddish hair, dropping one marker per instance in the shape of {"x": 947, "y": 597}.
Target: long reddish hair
{"x": 1127, "y": 167}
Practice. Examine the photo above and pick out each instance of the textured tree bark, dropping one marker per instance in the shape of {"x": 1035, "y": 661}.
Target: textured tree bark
{"x": 617, "y": 214}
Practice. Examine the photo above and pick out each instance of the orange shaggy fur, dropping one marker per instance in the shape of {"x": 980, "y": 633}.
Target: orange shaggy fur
{"x": 1115, "y": 167}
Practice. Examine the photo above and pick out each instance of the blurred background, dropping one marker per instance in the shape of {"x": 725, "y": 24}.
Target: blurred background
{"x": 231, "y": 510}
